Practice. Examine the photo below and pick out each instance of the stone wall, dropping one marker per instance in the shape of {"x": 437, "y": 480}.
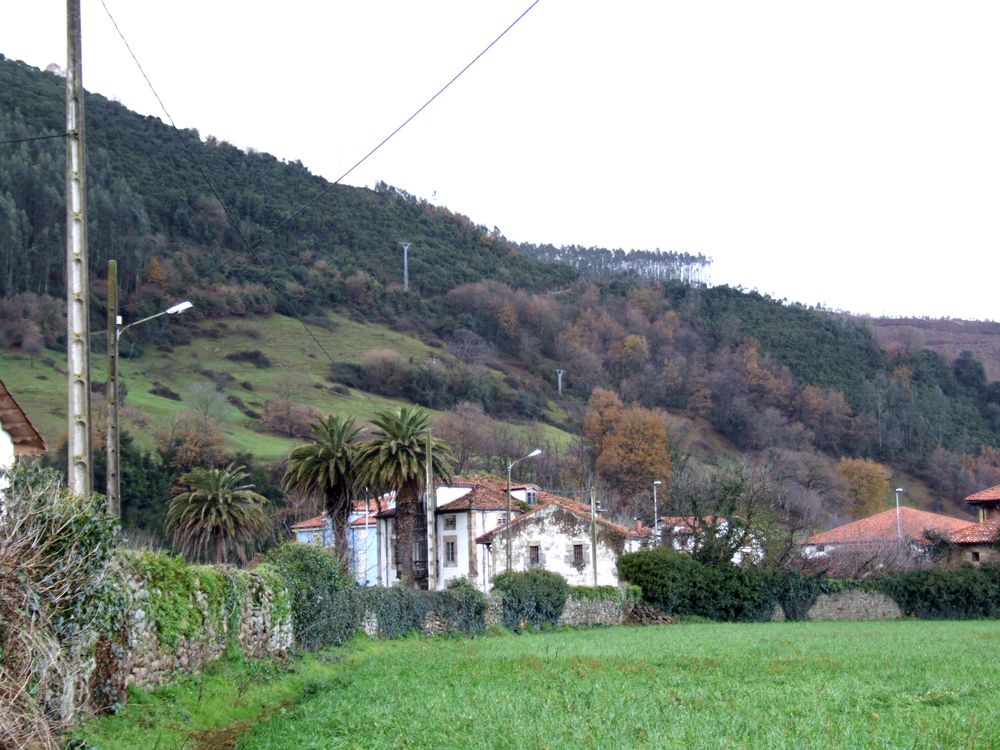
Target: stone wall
{"x": 147, "y": 660}
{"x": 852, "y": 604}
{"x": 592, "y": 612}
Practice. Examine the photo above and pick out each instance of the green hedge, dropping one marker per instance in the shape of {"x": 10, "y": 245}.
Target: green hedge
{"x": 532, "y": 598}
{"x": 946, "y": 593}
{"x": 596, "y": 593}
{"x": 399, "y": 611}
{"x": 679, "y": 585}
{"x": 325, "y": 602}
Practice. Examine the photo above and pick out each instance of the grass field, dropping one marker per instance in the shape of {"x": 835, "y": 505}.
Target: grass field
{"x": 905, "y": 684}
{"x": 300, "y": 365}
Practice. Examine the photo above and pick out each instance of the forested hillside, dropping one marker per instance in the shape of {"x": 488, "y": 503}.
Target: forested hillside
{"x": 795, "y": 391}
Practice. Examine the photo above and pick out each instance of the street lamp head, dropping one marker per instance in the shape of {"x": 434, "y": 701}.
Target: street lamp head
{"x": 657, "y": 482}
{"x": 900, "y": 489}
{"x": 179, "y": 307}
{"x": 536, "y": 452}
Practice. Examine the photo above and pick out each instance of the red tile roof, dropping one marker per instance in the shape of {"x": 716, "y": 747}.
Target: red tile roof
{"x": 27, "y": 441}
{"x": 882, "y": 527}
{"x": 317, "y": 522}
{"x": 545, "y": 499}
{"x": 989, "y": 495}
{"x": 978, "y": 533}
{"x": 486, "y": 492}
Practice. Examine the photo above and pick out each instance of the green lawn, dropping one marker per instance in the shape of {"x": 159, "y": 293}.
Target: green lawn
{"x": 905, "y": 684}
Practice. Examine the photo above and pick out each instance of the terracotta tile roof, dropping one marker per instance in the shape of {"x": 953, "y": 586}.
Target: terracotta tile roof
{"x": 989, "y": 495}
{"x": 882, "y": 527}
{"x": 978, "y": 533}
{"x": 27, "y": 441}
{"x": 363, "y": 521}
{"x": 317, "y": 522}
{"x": 487, "y": 492}
{"x": 545, "y": 499}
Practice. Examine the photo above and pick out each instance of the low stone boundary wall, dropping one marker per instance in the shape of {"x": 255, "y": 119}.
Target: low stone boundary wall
{"x": 852, "y": 604}
{"x": 592, "y": 612}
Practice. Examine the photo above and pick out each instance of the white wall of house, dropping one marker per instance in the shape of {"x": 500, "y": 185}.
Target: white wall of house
{"x": 558, "y": 541}
{"x": 363, "y": 544}
{"x": 7, "y": 455}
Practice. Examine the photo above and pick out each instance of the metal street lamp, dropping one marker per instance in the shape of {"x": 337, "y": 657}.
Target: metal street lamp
{"x": 899, "y": 522}
{"x": 511, "y": 465}
{"x": 115, "y": 331}
{"x": 656, "y": 515}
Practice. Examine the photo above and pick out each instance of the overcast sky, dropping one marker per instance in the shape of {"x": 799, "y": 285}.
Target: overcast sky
{"x": 844, "y": 153}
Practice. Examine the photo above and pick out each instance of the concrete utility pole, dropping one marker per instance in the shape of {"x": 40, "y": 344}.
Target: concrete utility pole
{"x": 431, "y": 507}
{"x": 559, "y": 374}
{"x": 77, "y": 282}
{"x": 593, "y": 532}
{"x": 406, "y": 266}
{"x": 114, "y": 501}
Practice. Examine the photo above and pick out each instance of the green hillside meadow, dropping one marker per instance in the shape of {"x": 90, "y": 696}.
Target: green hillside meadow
{"x": 900, "y": 684}
{"x": 300, "y": 360}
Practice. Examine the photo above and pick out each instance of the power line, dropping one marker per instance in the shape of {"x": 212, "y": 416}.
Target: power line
{"x": 250, "y": 246}
{"x": 32, "y": 138}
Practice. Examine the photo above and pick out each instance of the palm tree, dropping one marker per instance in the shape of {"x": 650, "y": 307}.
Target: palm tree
{"x": 219, "y": 515}
{"x": 326, "y": 468}
{"x": 395, "y": 459}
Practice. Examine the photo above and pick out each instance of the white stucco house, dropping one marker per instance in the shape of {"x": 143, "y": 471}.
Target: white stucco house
{"x": 559, "y": 535}
{"x": 18, "y": 437}
{"x": 684, "y": 534}
{"x": 465, "y": 536}
{"x": 468, "y": 507}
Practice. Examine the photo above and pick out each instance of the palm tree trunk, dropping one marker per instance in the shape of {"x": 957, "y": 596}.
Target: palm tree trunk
{"x": 406, "y": 509}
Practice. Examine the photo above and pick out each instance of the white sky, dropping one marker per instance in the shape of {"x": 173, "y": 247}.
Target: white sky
{"x": 844, "y": 153}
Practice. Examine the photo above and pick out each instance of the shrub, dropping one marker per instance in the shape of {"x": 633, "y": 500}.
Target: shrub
{"x": 678, "y": 584}
{"x": 325, "y": 601}
{"x": 946, "y": 593}
{"x": 596, "y": 593}
{"x": 399, "y": 610}
{"x": 531, "y": 598}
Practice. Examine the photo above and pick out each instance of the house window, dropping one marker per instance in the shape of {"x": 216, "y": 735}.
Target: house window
{"x": 534, "y": 554}
{"x": 531, "y": 495}
{"x": 820, "y": 547}
{"x": 578, "y": 560}
{"x": 450, "y": 551}
{"x": 449, "y": 523}
{"x": 975, "y": 557}
{"x": 501, "y": 519}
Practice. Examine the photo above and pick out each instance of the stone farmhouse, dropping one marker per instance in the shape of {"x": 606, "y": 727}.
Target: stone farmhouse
{"x": 560, "y": 535}
{"x": 682, "y": 534}
{"x": 980, "y": 542}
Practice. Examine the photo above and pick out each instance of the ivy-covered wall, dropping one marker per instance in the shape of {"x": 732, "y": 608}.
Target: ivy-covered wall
{"x": 165, "y": 617}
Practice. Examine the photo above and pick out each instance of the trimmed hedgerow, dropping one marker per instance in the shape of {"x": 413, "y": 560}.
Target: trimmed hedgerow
{"x": 946, "y": 593}
{"x": 678, "y": 584}
{"x": 596, "y": 593}
{"x": 399, "y": 611}
{"x": 325, "y": 601}
{"x": 532, "y": 598}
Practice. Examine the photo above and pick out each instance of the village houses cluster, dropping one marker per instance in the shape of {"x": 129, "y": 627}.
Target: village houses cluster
{"x": 475, "y": 530}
